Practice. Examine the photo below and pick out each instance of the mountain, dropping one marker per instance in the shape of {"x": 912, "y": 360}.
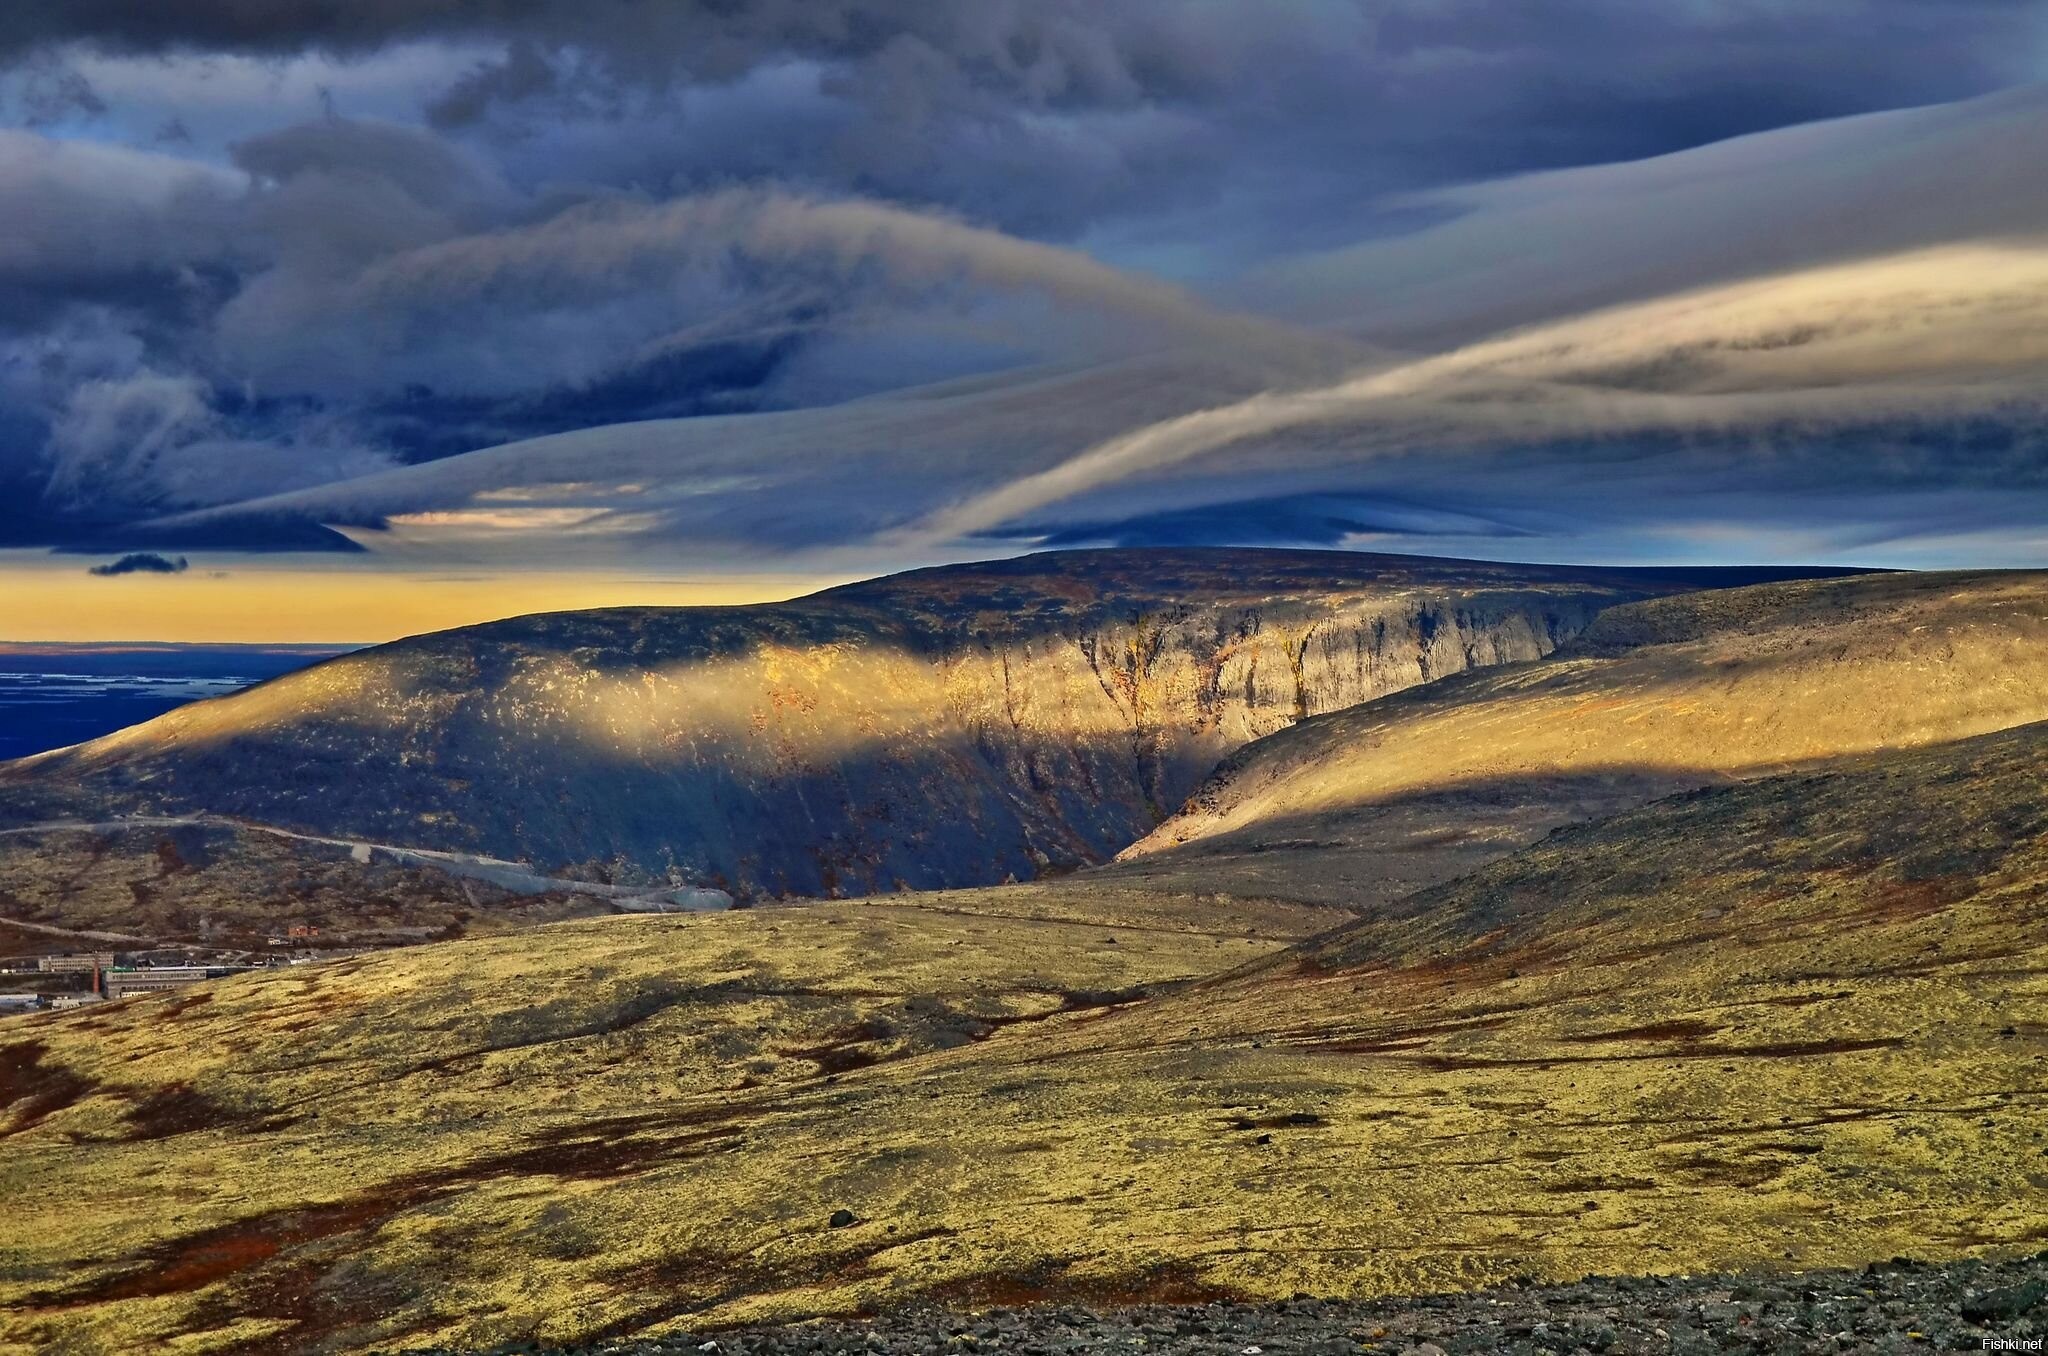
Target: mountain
{"x": 1366, "y": 804}
{"x": 1793, "y": 1022}
{"x": 944, "y": 727}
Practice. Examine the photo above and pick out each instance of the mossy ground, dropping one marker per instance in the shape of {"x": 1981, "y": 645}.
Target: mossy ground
{"x": 1802, "y": 1021}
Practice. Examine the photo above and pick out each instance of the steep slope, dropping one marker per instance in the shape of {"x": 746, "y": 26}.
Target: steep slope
{"x": 943, "y": 727}
{"x": 1366, "y": 804}
{"x": 1800, "y": 1021}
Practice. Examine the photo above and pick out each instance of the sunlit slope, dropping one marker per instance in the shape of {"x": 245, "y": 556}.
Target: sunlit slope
{"x": 951, "y": 726}
{"x": 1796, "y": 1021}
{"x": 240, "y": 1142}
{"x": 1365, "y": 804}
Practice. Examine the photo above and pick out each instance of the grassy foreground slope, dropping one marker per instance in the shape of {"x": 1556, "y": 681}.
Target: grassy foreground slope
{"x": 1369, "y": 803}
{"x": 1801, "y": 1020}
{"x": 227, "y": 1163}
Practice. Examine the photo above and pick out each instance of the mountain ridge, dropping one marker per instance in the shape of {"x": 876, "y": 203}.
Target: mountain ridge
{"x": 953, "y": 726}
{"x": 1653, "y": 698}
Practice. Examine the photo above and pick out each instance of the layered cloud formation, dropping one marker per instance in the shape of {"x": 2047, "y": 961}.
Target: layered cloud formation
{"x": 881, "y": 282}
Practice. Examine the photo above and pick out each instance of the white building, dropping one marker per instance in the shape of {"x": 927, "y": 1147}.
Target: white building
{"x": 76, "y": 965}
{"x": 121, "y": 983}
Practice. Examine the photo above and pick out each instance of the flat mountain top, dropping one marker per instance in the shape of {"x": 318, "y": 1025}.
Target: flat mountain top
{"x": 1160, "y": 574}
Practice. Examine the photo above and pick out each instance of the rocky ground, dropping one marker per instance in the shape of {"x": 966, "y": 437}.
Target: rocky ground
{"x": 1900, "y": 1306}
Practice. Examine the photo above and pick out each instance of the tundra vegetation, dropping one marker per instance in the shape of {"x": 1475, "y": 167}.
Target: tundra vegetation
{"x": 1770, "y": 996}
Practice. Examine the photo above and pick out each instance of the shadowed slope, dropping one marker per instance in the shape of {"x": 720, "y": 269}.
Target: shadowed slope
{"x": 232, "y": 885}
{"x": 949, "y": 726}
{"x": 1796, "y": 1021}
{"x": 1365, "y": 804}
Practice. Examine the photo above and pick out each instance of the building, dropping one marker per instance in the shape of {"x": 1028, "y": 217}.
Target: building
{"x": 121, "y": 983}
{"x": 19, "y": 1002}
{"x": 155, "y": 979}
{"x": 75, "y": 1000}
{"x": 76, "y": 965}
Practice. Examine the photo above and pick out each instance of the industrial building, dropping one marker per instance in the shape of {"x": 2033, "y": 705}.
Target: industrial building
{"x": 75, "y": 964}
{"x": 122, "y": 983}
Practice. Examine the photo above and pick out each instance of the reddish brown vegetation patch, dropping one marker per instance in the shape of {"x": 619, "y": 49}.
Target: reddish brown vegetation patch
{"x": 201, "y": 1259}
{"x": 1687, "y": 1031}
{"x": 1284, "y": 1120}
{"x": 241, "y": 1249}
{"x": 169, "y": 861}
{"x": 183, "y": 1004}
{"x": 1408, "y": 1038}
{"x": 34, "y": 1091}
{"x": 178, "y": 1110}
{"x": 1049, "y": 1282}
{"x": 1777, "y": 1050}
{"x": 1904, "y": 901}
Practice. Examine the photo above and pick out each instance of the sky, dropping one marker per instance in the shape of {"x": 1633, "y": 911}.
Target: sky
{"x": 386, "y": 315}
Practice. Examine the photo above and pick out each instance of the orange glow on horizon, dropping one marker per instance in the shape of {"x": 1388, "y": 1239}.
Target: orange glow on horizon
{"x": 44, "y": 602}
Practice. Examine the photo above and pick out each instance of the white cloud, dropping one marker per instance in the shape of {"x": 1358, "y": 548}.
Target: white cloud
{"x": 1939, "y": 333}
{"x": 1541, "y": 246}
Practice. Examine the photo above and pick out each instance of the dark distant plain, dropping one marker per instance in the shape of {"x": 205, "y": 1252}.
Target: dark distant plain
{"x": 53, "y": 695}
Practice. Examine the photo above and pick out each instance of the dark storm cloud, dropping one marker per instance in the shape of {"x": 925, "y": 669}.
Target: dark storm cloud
{"x": 1305, "y": 519}
{"x": 141, "y": 562}
{"x": 1053, "y": 119}
{"x": 592, "y": 211}
{"x": 1117, "y": 108}
{"x": 90, "y": 223}
{"x": 356, "y": 293}
{"x": 424, "y": 169}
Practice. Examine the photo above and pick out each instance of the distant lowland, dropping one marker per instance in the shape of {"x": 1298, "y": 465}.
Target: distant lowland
{"x": 56, "y": 695}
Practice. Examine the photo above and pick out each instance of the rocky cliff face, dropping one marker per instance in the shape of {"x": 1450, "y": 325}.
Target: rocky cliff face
{"x": 944, "y": 727}
{"x": 1367, "y": 804}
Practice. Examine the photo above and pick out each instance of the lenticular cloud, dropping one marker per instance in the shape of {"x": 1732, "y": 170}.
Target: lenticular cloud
{"x": 1885, "y": 353}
